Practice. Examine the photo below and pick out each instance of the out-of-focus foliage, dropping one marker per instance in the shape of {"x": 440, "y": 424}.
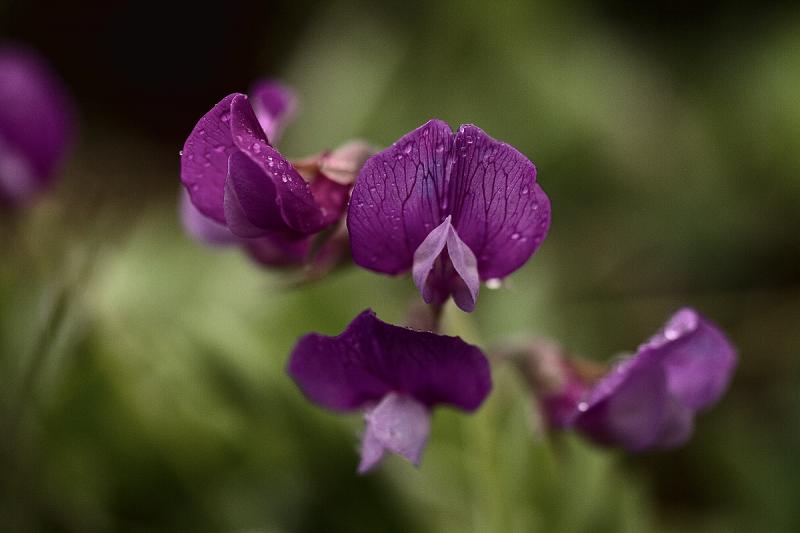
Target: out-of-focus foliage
{"x": 141, "y": 375}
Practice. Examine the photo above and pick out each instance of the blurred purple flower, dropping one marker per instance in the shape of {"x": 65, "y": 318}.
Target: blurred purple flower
{"x": 240, "y": 190}
{"x": 649, "y": 400}
{"x": 36, "y": 124}
{"x": 395, "y": 375}
{"x": 453, "y": 208}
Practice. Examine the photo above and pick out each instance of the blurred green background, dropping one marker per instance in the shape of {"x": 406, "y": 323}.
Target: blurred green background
{"x": 141, "y": 374}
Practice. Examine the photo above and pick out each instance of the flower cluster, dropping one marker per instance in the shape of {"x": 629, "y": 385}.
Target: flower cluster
{"x": 239, "y": 189}
{"x": 36, "y": 124}
{"x": 645, "y": 401}
{"x": 455, "y": 209}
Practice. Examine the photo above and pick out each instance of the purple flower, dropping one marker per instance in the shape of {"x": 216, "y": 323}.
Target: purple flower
{"x": 395, "y": 375}
{"x": 649, "y": 400}
{"x": 36, "y": 124}
{"x": 454, "y": 209}
{"x": 241, "y": 190}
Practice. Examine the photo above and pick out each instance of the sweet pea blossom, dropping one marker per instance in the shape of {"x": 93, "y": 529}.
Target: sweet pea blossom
{"x": 649, "y": 400}
{"x": 240, "y": 190}
{"x": 454, "y": 208}
{"x": 395, "y": 375}
{"x": 36, "y": 124}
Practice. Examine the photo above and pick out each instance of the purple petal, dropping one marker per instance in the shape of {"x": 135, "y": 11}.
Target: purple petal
{"x": 372, "y": 358}
{"x": 649, "y": 399}
{"x": 251, "y": 209}
{"x": 275, "y": 104}
{"x": 699, "y": 359}
{"x": 201, "y": 227}
{"x": 498, "y": 209}
{"x": 634, "y": 415}
{"x": 398, "y": 424}
{"x": 677, "y": 427}
{"x": 278, "y": 250}
{"x": 455, "y": 274}
{"x": 330, "y": 197}
{"x": 426, "y": 255}
{"x": 466, "y": 265}
{"x": 397, "y": 199}
{"x": 36, "y": 123}
{"x": 204, "y": 159}
{"x": 294, "y": 199}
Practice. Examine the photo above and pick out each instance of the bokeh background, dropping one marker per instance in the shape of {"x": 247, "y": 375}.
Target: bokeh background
{"x": 141, "y": 374}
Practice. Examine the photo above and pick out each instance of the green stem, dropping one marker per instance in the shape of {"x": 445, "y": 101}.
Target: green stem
{"x": 21, "y": 401}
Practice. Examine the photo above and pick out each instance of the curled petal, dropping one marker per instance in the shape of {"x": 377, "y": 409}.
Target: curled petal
{"x": 251, "y": 209}
{"x": 204, "y": 159}
{"x": 649, "y": 400}
{"x": 397, "y": 199}
{"x": 426, "y": 255}
{"x": 372, "y": 358}
{"x": 36, "y": 123}
{"x": 634, "y": 415}
{"x": 293, "y": 195}
{"x": 466, "y": 266}
{"x": 202, "y": 227}
{"x": 699, "y": 359}
{"x": 275, "y": 104}
{"x": 398, "y": 424}
{"x": 459, "y": 274}
{"x": 498, "y": 209}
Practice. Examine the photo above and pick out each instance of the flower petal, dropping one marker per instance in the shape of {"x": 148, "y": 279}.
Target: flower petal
{"x": 634, "y": 416}
{"x": 202, "y": 227}
{"x": 293, "y": 194}
{"x": 649, "y": 399}
{"x": 251, "y": 209}
{"x": 372, "y": 358}
{"x": 426, "y": 255}
{"x": 698, "y": 358}
{"x": 275, "y": 104}
{"x": 204, "y": 159}
{"x": 278, "y": 249}
{"x": 466, "y": 265}
{"x": 398, "y": 424}
{"x": 36, "y": 122}
{"x": 397, "y": 199}
{"x": 330, "y": 196}
{"x": 498, "y": 209}
{"x": 677, "y": 427}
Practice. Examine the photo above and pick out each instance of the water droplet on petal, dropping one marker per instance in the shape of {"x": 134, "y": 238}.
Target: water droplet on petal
{"x": 180, "y": 153}
{"x": 225, "y": 117}
{"x": 494, "y": 283}
{"x": 583, "y": 406}
{"x": 514, "y": 236}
